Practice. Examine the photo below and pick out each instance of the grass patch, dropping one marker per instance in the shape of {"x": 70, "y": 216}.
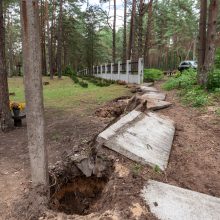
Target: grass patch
{"x": 151, "y": 75}
{"x": 65, "y": 94}
{"x": 191, "y": 94}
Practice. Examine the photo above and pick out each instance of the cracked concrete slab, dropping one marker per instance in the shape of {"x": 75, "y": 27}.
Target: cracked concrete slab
{"x": 145, "y": 138}
{"x": 148, "y": 89}
{"x": 154, "y": 95}
{"x": 157, "y": 104}
{"x": 169, "y": 202}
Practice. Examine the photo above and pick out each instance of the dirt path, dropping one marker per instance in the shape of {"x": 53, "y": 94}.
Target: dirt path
{"x": 193, "y": 164}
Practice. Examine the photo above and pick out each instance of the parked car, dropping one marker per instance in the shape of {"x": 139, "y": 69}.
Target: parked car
{"x": 187, "y": 64}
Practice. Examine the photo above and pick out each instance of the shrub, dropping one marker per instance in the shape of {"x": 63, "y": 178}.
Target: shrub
{"x": 217, "y": 59}
{"x": 195, "y": 97}
{"x": 152, "y": 75}
{"x": 214, "y": 80}
{"x": 184, "y": 80}
{"x": 83, "y": 84}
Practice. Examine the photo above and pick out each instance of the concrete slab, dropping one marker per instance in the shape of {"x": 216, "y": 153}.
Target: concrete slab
{"x": 157, "y": 104}
{"x": 148, "y": 84}
{"x": 174, "y": 203}
{"x": 146, "y": 138}
{"x": 154, "y": 95}
{"x": 148, "y": 89}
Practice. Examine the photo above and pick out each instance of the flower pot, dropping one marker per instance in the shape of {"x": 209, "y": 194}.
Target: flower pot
{"x": 16, "y": 112}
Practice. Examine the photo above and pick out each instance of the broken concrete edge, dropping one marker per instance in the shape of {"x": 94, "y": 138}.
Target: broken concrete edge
{"x": 108, "y": 133}
{"x": 171, "y": 202}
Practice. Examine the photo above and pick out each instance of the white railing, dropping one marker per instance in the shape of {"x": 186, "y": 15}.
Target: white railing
{"x": 130, "y": 72}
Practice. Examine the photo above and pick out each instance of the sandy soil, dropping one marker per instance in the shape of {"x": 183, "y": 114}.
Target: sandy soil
{"x": 193, "y": 164}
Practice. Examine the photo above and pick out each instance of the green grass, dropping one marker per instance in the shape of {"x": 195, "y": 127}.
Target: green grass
{"x": 190, "y": 93}
{"x": 65, "y": 94}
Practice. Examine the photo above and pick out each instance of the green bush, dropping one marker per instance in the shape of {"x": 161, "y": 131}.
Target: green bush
{"x": 184, "y": 80}
{"x": 151, "y": 75}
{"x": 214, "y": 80}
{"x": 217, "y": 59}
{"x": 83, "y": 84}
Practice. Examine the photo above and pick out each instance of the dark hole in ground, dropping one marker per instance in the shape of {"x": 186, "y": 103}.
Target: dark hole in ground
{"x": 78, "y": 195}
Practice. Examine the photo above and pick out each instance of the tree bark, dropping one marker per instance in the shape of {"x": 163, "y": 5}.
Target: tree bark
{"x": 132, "y": 31}
{"x": 48, "y": 39}
{"x": 148, "y": 35}
{"x": 207, "y": 56}
{"x": 43, "y": 36}
{"x": 211, "y": 36}
{"x": 33, "y": 91}
{"x": 52, "y": 45}
{"x": 5, "y": 114}
{"x": 114, "y": 34}
{"x": 140, "y": 29}
{"x": 125, "y": 32}
{"x": 59, "y": 41}
{"x": 202, "y": 39}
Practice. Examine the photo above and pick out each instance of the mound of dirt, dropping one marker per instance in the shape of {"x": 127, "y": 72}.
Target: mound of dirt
{"x": 113, "y": 109}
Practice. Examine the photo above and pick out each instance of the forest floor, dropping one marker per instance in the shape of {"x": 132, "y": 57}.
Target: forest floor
{"x": 193, "y": 163}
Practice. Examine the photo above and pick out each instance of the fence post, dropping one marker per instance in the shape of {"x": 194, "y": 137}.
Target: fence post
{"x": 105, "y": 71}
{"x": 140, "y": 70}
{"x": 127, "y": 70}
{"x": 101, "y": 71}
{"x": 119, "y": 69}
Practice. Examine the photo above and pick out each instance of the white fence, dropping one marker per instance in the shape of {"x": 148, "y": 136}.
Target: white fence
{"x": 130, "y": 72}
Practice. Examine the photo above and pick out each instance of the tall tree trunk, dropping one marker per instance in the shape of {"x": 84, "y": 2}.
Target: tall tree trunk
{"x": 43, "y": 41}
{"x": 148, "y": 36}
{"x": 211, "y": 36}
{"x": 5, "y": 114}
{"x": 140, "y": 29}
{"x": 59, "y": 41}
{"x": 48, "y": 39}
{"x": 208, "y": 55}
{"x": 52, "y": 45}
{"x": 114, "y": 34}
{"x": 202, "y": 39}
{"x": 33, "y": 92}
{"x": 125, "y": 32}
{"x": 132, "y": 31}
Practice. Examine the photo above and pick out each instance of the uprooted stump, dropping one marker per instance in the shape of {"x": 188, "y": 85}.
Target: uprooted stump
{"x": 77, "y": 182}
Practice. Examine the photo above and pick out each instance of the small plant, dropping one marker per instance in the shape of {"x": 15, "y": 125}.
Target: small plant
{"x": 217, "y": 112}
{"x": 137, "y": 169}
{"x": 151, "y": 75}
{"x": 157, "y": 169}
{"x": 214, "y": 80}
